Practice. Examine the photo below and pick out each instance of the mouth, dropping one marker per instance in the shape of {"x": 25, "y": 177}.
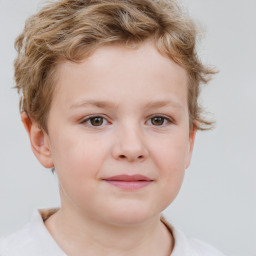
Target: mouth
{"x": 129, "y": 182}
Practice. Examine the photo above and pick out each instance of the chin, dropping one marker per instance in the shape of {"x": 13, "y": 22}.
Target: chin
{"x": 130, "y": 216}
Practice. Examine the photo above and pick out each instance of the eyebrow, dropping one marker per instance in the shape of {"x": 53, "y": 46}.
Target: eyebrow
{"x": 164, "y": 103}
{"x": 108, "y": 104}
{"x": 96, "y": 103}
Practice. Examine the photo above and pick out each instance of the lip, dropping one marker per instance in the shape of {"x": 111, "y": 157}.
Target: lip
{"x": 129, "y": 182}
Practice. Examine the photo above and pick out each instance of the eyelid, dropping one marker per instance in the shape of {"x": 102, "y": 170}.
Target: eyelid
{"x": 169, "y": 119}
{"x": 87, "y": 118}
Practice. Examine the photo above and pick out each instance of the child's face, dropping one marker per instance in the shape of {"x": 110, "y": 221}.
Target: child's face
{"x": 137, "y": 102}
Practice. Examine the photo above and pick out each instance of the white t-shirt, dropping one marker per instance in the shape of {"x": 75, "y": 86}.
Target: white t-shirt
{"x": 35, "y": 240}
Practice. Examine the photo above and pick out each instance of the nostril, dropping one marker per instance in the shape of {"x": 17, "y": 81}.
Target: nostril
{"x": 139, "y": 157}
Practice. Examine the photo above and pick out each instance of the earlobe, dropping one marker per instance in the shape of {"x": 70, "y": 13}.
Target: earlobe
{"x": 192, "y": 136}
{"x": 39, "y": 141}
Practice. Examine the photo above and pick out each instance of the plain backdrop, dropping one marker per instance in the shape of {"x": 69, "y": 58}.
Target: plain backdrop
{"x": 217, "y": 202}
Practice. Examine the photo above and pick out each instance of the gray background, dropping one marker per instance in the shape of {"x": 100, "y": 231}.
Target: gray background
{"x": 217, "y": 202}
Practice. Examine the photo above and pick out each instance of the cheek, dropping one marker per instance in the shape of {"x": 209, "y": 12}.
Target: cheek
{"x": 77, "y": 163}
{"x": 170, "y": 155}
{"x": 75, "y": 152}
{"x": 170, "y": 158}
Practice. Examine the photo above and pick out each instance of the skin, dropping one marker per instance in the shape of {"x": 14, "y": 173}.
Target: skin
{"x": 138, "y": 84}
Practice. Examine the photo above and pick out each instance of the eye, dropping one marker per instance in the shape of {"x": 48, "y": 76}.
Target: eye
{"x": 95, "y": 121}
{"x": 159, "y": 120}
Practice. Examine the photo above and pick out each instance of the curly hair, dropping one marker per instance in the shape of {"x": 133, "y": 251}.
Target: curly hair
{"x": 73, "y": 29}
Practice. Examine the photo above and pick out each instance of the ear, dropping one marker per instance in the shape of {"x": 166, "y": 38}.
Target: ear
{"x": 191, "y": 142}
{"x": 39, "y": 141}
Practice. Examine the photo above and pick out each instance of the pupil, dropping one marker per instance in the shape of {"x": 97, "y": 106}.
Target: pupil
{"x": 97, "y": 121}
{"x": 157, "y": 121}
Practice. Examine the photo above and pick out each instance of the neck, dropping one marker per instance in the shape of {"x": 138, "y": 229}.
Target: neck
{"x": 77, "y": 234}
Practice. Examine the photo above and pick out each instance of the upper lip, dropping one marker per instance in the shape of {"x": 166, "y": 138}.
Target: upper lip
{"x": 125, "y": 177}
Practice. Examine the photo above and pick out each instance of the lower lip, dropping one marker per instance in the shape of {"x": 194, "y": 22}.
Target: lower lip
{"x": 128, "y": 185}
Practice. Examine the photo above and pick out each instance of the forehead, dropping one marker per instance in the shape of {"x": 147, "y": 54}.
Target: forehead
{"x": 118, "y": 70}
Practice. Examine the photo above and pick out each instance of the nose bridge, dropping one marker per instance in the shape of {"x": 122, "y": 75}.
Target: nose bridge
{"x": 130, "y": 143}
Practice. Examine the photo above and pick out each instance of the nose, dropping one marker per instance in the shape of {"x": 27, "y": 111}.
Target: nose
{"x": 130, "y": 145}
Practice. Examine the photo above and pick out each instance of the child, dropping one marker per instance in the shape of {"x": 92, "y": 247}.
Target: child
{"x": 109, "y": 100}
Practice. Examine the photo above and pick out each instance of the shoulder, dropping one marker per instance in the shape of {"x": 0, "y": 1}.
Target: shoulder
{"x": 189, "y": 246}
{"x": 33, "y": 239}
{"x": 16, "y": 243}
{"x": 202, "y": 248}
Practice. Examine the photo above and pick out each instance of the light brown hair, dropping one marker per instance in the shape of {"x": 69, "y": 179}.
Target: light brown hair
{"x": 73, "y": 29}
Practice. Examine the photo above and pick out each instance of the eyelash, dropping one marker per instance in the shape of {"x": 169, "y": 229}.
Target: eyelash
{"x": 90, "y": 118}
{"x": 167, "y": 120}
